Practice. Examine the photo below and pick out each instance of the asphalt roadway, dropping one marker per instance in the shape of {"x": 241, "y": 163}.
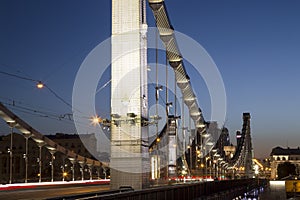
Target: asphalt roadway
{"x": 50, "y": 192}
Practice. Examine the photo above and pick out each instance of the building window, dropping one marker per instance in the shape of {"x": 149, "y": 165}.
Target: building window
{"x": 278, "y": 158}
{"x": 283, "y": 158}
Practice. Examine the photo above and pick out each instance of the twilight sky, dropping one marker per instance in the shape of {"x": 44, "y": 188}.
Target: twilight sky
{"x": 255, "y": 45}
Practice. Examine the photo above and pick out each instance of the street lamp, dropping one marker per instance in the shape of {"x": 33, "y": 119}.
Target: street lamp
{"x": 104, "y": 171}
{"x": 27, "y": 136}
{"x": 52, "y": 151}
{"x": 40, "y": 144}
{"x": 82, "y": 164}
{"x": 11, "y": 124}
{"x": 40, "y": 85}
{"x": 73, "y": 161}
{"x": 206, "y": 166}
{"x": 90, "y": 171}
{"x": 64, "y": 173}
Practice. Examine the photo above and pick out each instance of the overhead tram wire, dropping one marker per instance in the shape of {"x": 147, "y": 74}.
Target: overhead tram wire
{"x": 23, "y": 107}
{"x": 18, "y": 76}
{"x": 44, "y": 113}
{"x": 14, "y": 105}
{"x": 36, "y": 113}
{"x": 40, "y": 85}
{"x": 18, "y": 102}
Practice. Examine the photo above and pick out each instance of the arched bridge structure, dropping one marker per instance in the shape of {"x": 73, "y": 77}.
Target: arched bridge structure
{"x": 15, "y": 122}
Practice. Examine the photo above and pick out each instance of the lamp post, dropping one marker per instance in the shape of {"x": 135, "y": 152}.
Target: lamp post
{"x": 82, "y": 164}
{"x": 73, "y": 161}
{"x": 27, "y": 136}
{"x": 64, "y": 174}
{"x": 90, "y": 171}
{"x": 52, "y": 151}
{"x": 11, "y": 125}
{"x": 206, "y": 166}
{"x": 52, "y": 166}
{"x": 73, "y": 170}
{"x": 40, "y": 163}
{"x": 40, "y": 144}
{"x": 10, "y": 157}
{"x": 104, "y": 171}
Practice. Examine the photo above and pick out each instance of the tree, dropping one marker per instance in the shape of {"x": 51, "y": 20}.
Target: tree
{"x": 285, "y": 169}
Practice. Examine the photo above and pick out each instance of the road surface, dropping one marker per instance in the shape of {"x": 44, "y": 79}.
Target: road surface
{"x": 43, "y": 193}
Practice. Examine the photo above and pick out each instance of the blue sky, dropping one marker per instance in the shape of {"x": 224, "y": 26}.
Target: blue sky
{"x": 255, "y": 45}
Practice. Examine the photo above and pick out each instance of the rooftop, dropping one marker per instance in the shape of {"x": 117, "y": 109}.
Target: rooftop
{"x": 285, "y": 151}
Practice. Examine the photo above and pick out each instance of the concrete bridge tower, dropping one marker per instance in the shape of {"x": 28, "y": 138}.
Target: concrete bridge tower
{"x": 129, "y": 161}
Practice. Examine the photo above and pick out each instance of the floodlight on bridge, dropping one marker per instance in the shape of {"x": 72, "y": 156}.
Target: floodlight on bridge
{"x": 115, "y": 116}
{"x": 155, "y": 117}
{"x": 131, "y": 115}
{"x": 96, "y": 120}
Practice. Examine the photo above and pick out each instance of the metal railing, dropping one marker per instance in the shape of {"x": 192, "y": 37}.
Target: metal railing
{"x": 205, "y": 190}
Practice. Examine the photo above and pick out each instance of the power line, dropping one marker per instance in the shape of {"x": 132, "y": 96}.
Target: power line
{"x": 57, "y": 96}
{"x": 18, "y": 76}
{"x": 40, "y": 85}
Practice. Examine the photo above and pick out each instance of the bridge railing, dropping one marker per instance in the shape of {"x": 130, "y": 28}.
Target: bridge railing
{"x": 205, "y": 190}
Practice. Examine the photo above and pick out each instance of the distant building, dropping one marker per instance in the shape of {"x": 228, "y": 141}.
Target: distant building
{"x": 280, "y": 155}
{"x": 74, "y": 142}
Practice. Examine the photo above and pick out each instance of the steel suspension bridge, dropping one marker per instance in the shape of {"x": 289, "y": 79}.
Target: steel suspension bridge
{"x": 169, "y": 159}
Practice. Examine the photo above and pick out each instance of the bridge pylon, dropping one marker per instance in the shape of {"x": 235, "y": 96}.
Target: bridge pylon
{"x": 129, "y": 162}
{"x": 248, "y": 146}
